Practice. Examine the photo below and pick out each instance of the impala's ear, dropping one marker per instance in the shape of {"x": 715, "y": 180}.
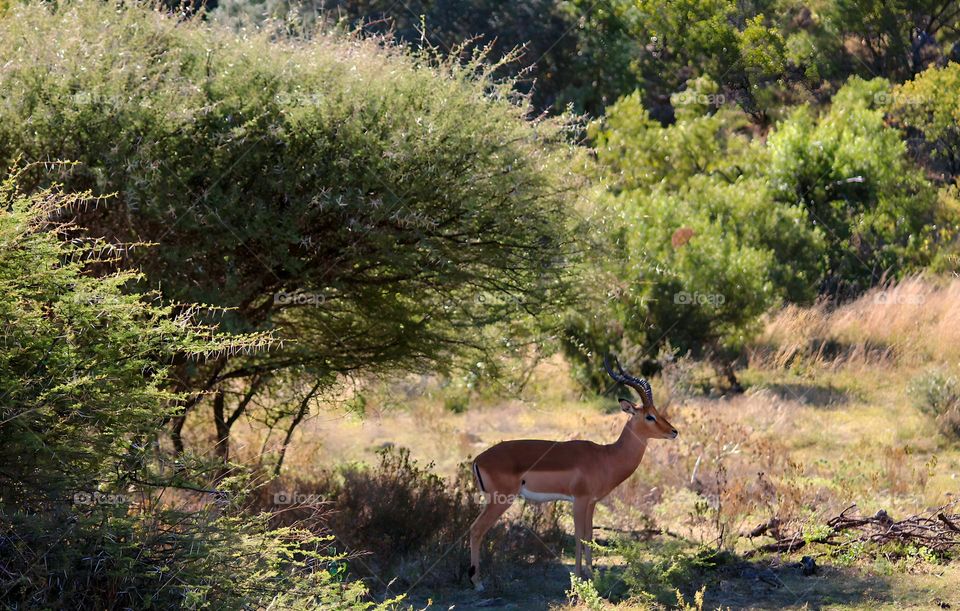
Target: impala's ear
{"x": 628, "y": 406}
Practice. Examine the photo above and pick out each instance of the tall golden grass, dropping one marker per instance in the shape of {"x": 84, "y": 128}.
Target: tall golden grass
{"x": 913, "y": 321}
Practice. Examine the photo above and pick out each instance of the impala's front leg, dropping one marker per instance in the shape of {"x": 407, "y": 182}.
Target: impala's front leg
{"x": 580, "y": 506}
{"x": 588, "y": 539}
{"x": 491, "y": 512}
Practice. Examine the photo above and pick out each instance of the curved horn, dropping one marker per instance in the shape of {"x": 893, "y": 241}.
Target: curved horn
{"x": 638, "y": 384}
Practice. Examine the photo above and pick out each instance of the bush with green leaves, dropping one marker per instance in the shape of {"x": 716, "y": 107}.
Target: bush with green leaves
{"x": 584, "y": 594}
{"x": 929, "y": 104}
{"x": 850, "y": 173}
{"x": 764, "y": 54}
{"x": 377, "y": 210}
{"x": 664, "y": 572}
{"x": 716, "y": 226}
{"x": 88, "y": 509}
{"x": 937, "y": 394}
{"x": 562, "y": 61}
{"x": 704, "y": 247}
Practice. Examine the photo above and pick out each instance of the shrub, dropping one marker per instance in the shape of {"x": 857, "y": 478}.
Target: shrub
{"x": 928, "y": 104}
{"x": 937, "y": 394}
{"x": 850, "y": 174}
{"x": 582, "y": 592}
{"x": 703, "y": 245}
{"x": 715, "y": 229}
{"x": 86, "y": 515}
{"x": 401, "y": 519}
{"x": 668, "y": 571}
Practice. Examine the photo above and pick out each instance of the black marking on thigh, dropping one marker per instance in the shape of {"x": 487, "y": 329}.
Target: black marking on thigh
{"x": 472, "y": 571}
{"x": 476, "y": 470}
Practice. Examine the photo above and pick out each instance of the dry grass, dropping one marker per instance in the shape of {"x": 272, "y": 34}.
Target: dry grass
{"x": 826, "y": 421}
{"x": 913, "y": 321}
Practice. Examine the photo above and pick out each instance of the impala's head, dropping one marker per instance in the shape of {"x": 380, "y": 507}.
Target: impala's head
{"x": 645, "y": 419}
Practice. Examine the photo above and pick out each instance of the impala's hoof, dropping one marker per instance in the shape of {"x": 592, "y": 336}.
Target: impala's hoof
{"x": 478, "y": 587}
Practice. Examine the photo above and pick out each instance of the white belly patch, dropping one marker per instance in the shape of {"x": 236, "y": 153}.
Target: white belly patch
{"x": 543, "y": 497}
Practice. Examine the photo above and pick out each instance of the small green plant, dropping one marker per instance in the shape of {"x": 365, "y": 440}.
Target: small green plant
{"x": 848, "y": 555}
{"x": 659, "y": 570}
{"x": 583, "y": 592}
{"x": 817, "y": 533}
{"x": 937, "y": 394}
{"x": 697, "y": 605}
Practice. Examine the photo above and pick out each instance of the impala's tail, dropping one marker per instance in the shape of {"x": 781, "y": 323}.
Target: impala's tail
{"x": 476, "y": 473}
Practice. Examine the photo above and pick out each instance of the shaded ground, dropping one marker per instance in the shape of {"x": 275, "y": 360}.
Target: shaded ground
{"x": 541, "y": 588}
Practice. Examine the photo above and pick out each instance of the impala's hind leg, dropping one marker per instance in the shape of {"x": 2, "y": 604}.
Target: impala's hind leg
{"x": 497, "y": 503}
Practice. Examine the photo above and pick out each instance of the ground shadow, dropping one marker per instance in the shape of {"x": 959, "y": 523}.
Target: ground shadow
{"x": 831, "y": 587}
{"x": 731, "y": 583}
{"x": 809, "y": 394}
{"x": 537, "y": 587}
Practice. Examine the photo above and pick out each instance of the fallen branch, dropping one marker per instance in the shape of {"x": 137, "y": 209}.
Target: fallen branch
{"x": 936, "y": 530}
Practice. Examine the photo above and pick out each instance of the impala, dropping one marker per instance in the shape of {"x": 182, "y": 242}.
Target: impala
{"x": 582, "y": 472}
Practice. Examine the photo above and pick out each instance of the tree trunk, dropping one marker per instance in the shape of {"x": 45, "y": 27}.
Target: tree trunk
{"x": 304, "y": 406}
{"x": 222, "y": 447}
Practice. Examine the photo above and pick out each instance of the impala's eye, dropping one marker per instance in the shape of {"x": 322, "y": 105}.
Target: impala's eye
{"x": 651, "y": 418}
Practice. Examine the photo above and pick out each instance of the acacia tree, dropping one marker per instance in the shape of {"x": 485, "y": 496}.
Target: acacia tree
{"x": 542, "y": 37}
{"x": 374, "y": 210}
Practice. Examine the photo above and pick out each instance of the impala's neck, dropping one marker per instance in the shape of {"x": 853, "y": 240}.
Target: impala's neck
{"x": 628, "y": 449}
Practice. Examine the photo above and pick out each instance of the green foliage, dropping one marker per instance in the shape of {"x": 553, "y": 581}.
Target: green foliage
{"x": 762, "y": 49}
{"x": 895, "y": 39}
{"x": 850, "y": 173}
{"x": 930, "y": 104}
{"x": 568, "y": 53}
{"x": 666, "y": 572}
{"x": 588, "y": 54}
{"x": 716, "y": 228}
{"x": 705, "y": 245}
{"x": 86, "y": 514}
{"x": 937, "y": 394}
{"x": 374, "y": 209}
{"x": 582, "y": 592}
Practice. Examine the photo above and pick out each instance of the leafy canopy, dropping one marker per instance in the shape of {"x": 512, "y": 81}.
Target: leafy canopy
{"x": 374, "y": 209}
